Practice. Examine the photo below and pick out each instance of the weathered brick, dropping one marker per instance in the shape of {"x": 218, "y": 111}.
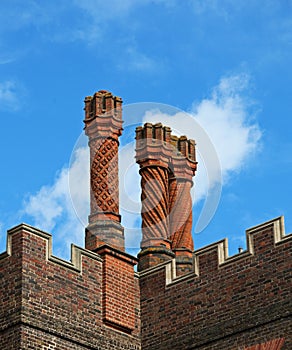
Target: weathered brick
{"x": 46, "y": 301}
{"x": 225, "y": 303}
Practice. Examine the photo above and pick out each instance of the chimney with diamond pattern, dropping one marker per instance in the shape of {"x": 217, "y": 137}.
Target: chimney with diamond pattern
{"x": 103, "y": 126}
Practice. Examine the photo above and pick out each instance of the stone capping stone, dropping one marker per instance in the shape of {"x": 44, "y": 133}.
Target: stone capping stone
{"x": 222, "y": 250}
{"x": 76, "y": 252}
{"x": 4, "y": 255}
{"x": 156, "y": 268}
{"x": 107, "y": 249}
{"x": 278, "y": 226}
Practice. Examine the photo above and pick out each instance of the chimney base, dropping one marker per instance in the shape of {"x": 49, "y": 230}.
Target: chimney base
{"x": 152, "y": 256}
{"x": 104, "y": 232}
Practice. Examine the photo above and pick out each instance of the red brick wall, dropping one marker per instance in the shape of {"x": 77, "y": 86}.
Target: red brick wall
{"x": 10, "y": 286}
{"x": 228, "y": 303}
{"x": 10, "y": 338}
{"x": 53, "y": 301}
{"x": 118, "y": 289}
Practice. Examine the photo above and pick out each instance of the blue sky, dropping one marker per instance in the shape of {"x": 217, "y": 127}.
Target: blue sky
{"x": 227, "y": 63}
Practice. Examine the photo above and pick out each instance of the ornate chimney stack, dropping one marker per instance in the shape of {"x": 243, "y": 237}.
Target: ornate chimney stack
{"x": 167, "y": 165}
{"x": 183, "y": 167}
{"x": 103, "y": 126}
{"x": 152, "y": 154}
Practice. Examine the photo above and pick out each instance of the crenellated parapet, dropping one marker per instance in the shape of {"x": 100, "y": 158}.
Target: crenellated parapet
{"x": 103, "y": 115}
{"x": 86, "y": 302}
{"x": 167, "y": 166}
{"x": 225, "y": 302}
{"x": 214, "y": 257}
{"x": 153, "y": 145}
{"x": 156, "y": 146}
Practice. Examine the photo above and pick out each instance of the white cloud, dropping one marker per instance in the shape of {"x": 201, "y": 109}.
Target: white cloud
{"x": 98, "y": 17}
{"x": 225, "y": 117}
{"x": 47, "y": 205}
{"x": 201, "y": 6}
{"x": 5, "y": 59}
{"x": 227, "y": 120}
{"x": 101, "y": 10}
{"x": 11, "y": 95}
{"x": 226, "y": 136}
{"x": 51, "y": 207}
{"x": 133, "y": 60}
{"x": 92, "y": 22}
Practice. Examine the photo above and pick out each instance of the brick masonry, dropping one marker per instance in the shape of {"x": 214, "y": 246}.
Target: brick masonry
{"x": 94, "y": 302}
{"x": 225, "y": 303}
{"x": 167, "y": 166}
{"x": 48, "y": 303}
{"x": 103, "y": 126}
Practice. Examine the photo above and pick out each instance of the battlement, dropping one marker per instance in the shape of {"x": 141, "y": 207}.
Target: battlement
{"x": 242, "y": 299}
{"x": 155, "y": 142}
{"x": 95, "y": 296}
{"x": 225, "y": 301}
{"x": 215, "y": 256}
{"x": 102, "y": 103}
{"x": 76, "y": 252}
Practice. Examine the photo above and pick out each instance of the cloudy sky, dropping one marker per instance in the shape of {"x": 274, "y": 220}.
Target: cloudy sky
{"x": 218, "y": 71}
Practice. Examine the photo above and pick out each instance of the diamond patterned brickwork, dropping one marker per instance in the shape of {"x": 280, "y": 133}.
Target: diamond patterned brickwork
{"x": 103, "y": 126}
{"x": 104, "y": 176}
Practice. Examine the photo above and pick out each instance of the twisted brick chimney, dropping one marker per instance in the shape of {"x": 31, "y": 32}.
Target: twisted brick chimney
{"x": 183, "y": 166}
{"x": 167, "y": 165}
{"x": 103, "y": 126}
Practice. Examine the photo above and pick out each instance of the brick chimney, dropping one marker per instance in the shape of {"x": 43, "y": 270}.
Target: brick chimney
{"x": 103, "y": 126}
{"x": 104, "y": 234}
{"x": 152, "y": 154}
{"x": 183, "y": 166}
{"x": 167, "y": 165}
